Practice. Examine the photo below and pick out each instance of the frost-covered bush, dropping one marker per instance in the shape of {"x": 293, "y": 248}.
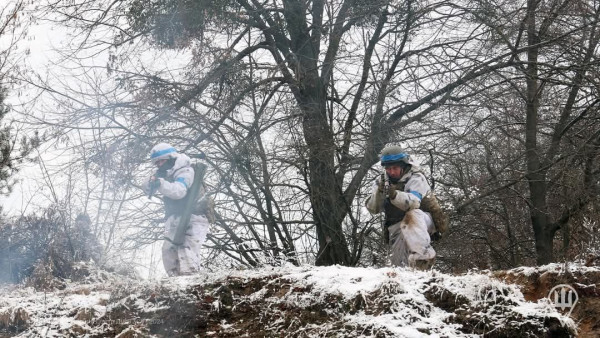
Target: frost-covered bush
{"x": 45, "y": 246}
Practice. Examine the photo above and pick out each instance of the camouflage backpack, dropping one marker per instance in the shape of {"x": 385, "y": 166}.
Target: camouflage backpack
{"x": 430, "y": 204}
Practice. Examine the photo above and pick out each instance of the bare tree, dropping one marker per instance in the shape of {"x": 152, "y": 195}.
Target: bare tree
{"x": 331, "y": 81}
{"x": 531, "y": 148}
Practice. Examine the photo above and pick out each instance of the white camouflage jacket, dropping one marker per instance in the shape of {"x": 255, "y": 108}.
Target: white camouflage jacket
{"x": 178, "y": 179}
{"x": 415, "y": 188}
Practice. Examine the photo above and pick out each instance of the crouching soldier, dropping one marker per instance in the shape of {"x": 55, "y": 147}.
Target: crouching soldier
{"x": 175, "y": 181}
{"x": 399, "y": 194}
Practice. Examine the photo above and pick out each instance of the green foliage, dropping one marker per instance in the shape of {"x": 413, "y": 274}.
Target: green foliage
{"x": 12, "y": 150}
{"x": 7, "y": 163}
{"x": 173, "y": 23}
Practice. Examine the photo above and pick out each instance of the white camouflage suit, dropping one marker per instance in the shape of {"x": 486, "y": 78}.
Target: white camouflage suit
{"x": 184, "y": 259}
{"x": 409, "y": 239}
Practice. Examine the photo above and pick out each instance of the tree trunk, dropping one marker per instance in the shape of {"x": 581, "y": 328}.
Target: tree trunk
{"x": 536, "y": 174}
{"x": 327, "y": 204}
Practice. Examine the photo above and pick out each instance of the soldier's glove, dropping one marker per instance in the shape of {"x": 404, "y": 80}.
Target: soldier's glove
{"x": 392, "y": 191}
{"x": 381, "y": 186}
{"x": 436, "y": 236}
{"x": 154, "y": 185}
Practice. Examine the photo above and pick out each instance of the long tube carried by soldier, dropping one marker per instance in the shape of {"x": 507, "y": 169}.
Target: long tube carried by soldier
{"x": 186, "y": 224}
{"x": 412, "y": 214}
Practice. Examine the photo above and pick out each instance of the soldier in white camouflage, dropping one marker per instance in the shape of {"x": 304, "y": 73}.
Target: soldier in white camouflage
{"x": 409, "y": 227}
{"x": 173, "y": 180}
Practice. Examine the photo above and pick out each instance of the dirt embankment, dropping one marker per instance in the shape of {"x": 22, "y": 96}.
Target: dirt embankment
{"x": 537, "y": 283}
{"x": 303, "y": 301}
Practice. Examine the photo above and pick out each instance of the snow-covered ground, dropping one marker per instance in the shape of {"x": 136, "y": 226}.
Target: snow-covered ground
{"x": 301, "y": 301}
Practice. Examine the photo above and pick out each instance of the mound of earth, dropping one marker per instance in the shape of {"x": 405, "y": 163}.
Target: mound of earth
{"x": 289, "y": 301}
{"x": 536, "y": 283}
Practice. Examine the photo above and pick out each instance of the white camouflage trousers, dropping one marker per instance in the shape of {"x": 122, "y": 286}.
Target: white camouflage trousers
{"x": 184, "y": 259}
{"x": 410, "y": 244}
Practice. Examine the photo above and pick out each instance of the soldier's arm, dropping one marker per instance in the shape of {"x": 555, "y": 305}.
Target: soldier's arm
{"x": 413, "y": 193}
{"x": 374, "y": 202}
{"x": 177, "y": 189}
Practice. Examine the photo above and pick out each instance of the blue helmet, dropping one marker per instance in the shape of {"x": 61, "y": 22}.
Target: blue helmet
{"x": 394, "y": 155}
{"x": 162, "y": 151}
